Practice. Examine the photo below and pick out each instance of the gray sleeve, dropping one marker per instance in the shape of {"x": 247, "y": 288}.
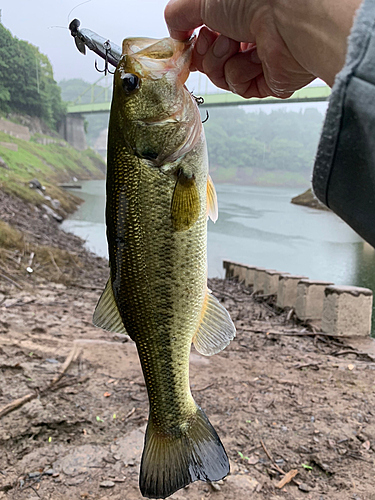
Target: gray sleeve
{"x": 344, "y": 171}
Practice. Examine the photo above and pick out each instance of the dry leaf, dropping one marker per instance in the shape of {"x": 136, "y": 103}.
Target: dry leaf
{"x": 351, "y": 367}
{"x": 287, "y": 478}
{"x": 106, "y": 394}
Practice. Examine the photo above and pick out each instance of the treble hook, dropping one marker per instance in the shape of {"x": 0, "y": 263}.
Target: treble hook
{"x": 107, "y": 47}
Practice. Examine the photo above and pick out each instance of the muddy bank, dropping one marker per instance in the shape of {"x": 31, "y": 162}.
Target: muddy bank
{"x": 281, "y": 398}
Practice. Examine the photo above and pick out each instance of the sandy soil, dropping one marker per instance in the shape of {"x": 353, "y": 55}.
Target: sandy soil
{"x": 281, "y": 398}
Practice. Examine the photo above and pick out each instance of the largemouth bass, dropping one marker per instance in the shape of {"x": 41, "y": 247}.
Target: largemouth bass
{"x": 159, "y": 195}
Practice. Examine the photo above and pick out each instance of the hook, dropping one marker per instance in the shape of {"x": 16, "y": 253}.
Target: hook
{"x": 207, "y": 117}
{"x": 107, "y": 47}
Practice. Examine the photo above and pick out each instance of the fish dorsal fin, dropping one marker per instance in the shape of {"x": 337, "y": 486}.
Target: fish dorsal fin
{"x": 106, "y": 314}
{"x": 216, "y": 329}
{"x": 185, "y": 206}
{"x": 212, "y": 207}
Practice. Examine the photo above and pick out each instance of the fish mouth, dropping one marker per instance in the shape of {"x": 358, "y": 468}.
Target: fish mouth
{"x": 153, "y": 58}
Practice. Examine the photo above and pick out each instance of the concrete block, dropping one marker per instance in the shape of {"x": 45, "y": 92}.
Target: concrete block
{"x": 271, "y": 282}
{"x": 259, "y": 275}
{"x": 242, "y": 272}
{"x": 310, "y": 298}
{"x": 287, "y": 291}
{"x": 347, "y": 310}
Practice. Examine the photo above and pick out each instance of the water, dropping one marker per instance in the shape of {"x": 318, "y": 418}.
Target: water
{"x": 257, "y": 226}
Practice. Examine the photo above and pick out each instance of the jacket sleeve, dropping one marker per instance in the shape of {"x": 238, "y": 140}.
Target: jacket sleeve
{"x": 344, "y": 171}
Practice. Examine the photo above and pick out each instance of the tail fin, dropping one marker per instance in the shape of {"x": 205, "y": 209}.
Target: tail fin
{"x": 174, "y": 461}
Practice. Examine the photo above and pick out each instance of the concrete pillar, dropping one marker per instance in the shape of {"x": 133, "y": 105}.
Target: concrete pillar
{"x": 271, "y": 282}
{"x": 347, "y": 311}
{"x": 73, "y": 131}
{"x": 287, "y": 291}
{"x": 259, "y": 275}
{"x": 310, "y": 298}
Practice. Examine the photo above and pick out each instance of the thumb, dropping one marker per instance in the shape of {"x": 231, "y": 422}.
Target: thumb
{"x": 183, "y": 17}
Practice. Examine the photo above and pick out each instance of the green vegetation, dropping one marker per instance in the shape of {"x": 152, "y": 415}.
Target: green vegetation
{"x": 259, "y": 148}
{"x": 27, "y": 85}
{"x": 53, "y": 163}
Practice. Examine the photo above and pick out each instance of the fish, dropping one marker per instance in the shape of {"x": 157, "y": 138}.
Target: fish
{"x": 159, "y": 196}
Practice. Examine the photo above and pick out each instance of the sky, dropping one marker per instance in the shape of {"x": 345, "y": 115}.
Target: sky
{"x": 36, "y": 21}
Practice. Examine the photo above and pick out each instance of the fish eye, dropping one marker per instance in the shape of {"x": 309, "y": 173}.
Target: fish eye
{"x": 130, "y": 82}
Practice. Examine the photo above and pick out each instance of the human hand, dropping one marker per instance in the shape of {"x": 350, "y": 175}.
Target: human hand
{"x": 259, "y": 48}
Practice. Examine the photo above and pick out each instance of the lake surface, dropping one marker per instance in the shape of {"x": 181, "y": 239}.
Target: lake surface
{"x": 257, "y": 226}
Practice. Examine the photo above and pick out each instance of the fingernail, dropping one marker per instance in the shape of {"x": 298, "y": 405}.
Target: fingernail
{"x": 221, "y": 46}
{"x": 202, "y": 44}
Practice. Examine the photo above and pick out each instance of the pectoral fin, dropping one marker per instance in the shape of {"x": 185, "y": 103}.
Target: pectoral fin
{"x": 185, "y": 206}
{"x": 212, "y": 207}
{"x": 106, "y": 314}
{"x": 215, "y": 330}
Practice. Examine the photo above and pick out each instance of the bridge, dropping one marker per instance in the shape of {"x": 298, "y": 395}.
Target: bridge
{"x": 101, "y": 102}
{"x": 98, "y": 100}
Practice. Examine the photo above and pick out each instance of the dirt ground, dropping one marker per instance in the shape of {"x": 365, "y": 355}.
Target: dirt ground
{"x": 280, "y": 400}
{"x": 73, "y": 404}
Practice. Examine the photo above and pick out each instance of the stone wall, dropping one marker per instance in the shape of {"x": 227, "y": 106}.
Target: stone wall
{"x": 15, "y": 130}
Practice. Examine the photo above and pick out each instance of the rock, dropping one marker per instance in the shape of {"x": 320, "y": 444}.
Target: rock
{"x": 33, "y": 475}
{"x": 129, "y": 448}
{"x": 81, "y": 460}
{"x": 35, "y": 184}
{"x": 304, "y": 487}
{"x": 107, "y": 484}
{"x": 52, "y": 213}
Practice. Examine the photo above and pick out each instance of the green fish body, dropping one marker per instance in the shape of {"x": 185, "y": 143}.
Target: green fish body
{"x": 158, "y": 197}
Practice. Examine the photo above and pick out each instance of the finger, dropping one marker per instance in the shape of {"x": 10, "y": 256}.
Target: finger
{"x": 183, "y": 17}
{"x": 205, "y": 40}
{"x": 213, "y": 63}
{"x": 244, "y": 74}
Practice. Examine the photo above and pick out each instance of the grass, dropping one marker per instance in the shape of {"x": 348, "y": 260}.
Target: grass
{"x": 51, "y": 164}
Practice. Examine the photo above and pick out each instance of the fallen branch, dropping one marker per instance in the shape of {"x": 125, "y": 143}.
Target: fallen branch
{"x": 287, "y": 478}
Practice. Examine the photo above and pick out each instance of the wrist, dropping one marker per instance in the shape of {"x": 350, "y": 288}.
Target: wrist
{"x": 316, "y": 33}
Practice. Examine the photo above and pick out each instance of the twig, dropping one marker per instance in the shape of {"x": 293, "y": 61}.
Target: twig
{"x": 29, "y": 397}
{"x": 10, "y": 281}
{"x": 54, "y": 262}
{"x": 272, "y": 460}
{"x": 130, "y": 413}
{"x": 204, "y": 388}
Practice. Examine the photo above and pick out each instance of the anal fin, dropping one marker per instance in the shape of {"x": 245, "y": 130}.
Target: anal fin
{"x": 106, "y": 314}
{"x": 216, "y": 329}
